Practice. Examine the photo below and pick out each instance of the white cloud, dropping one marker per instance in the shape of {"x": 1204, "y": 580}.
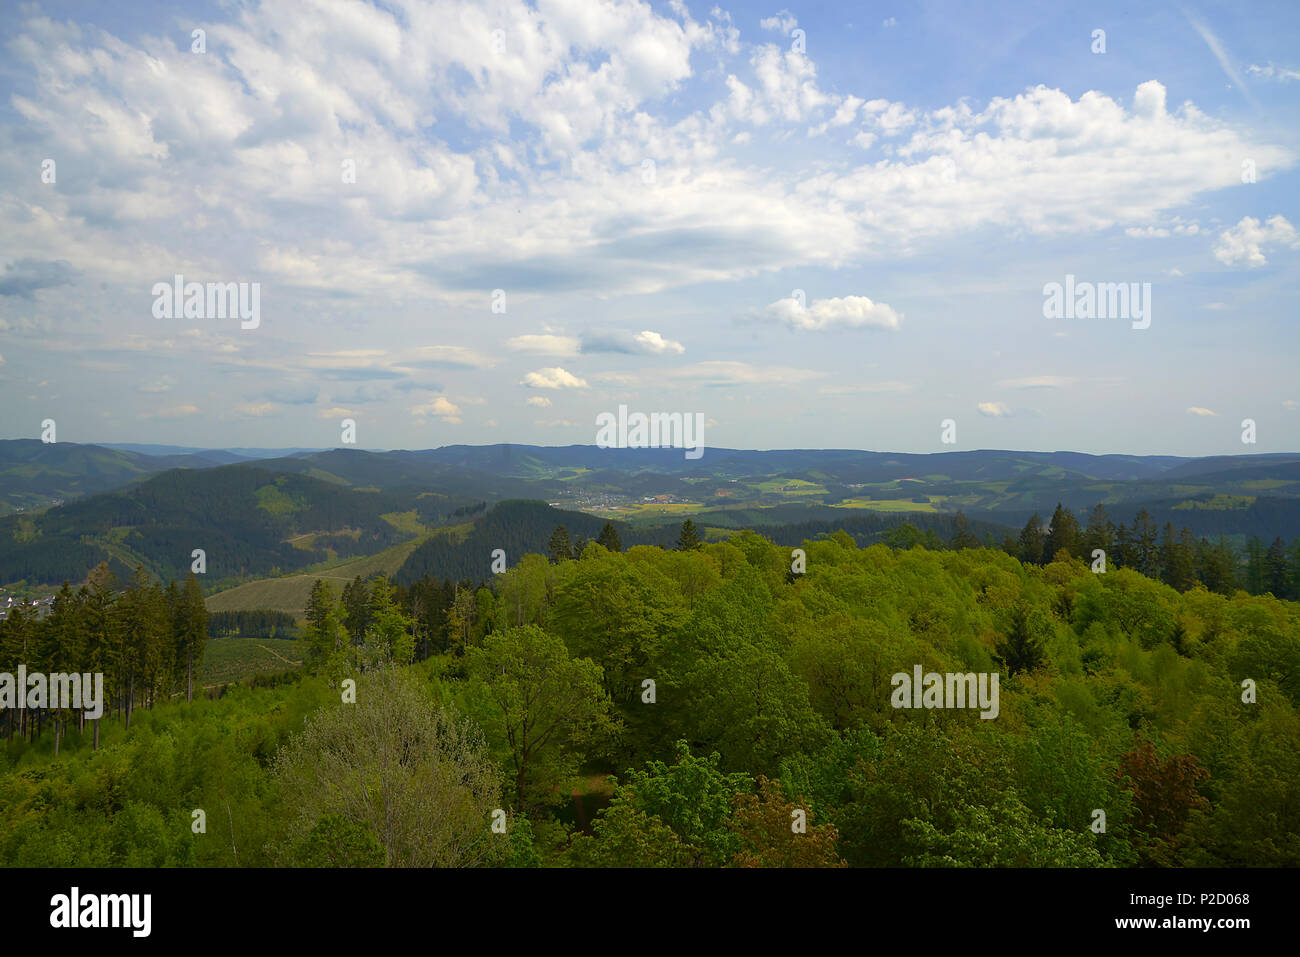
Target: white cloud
{"x": 617, "y": 378}
{"x": 540, "y": 401}
{"x": 251, "y": 120}
{"x": 441, "y": 408}
{"x": 1162, "y": 232}
{"x": 656, "y": 344}
{"x": 723, "y": 373}
{"x": 787, "y": 89}
{"x": 1245, "y": 242}
{"x": 452, "y": 356}
{"x": 844, "y": 114}
{"x": 173, "y": 412}
{"x": 553, "y": 378}
{"x": 646, "y": 343}
{"x": 822, "y": 314}
{"x": 1270, "y": 72}
{"x": 867, "y": 388}
{"x": 162, "y": 384}
{"x": 1039, "y": 382}
{"x": 545, "y": 344}
{"x": 1197, "y": 410}
{"x": 890, "y": 118}
{"x": 783, "y": 22}
{"x": 993, "y": 409}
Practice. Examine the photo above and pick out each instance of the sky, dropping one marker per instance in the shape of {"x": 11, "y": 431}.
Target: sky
{"x": 833, "y": 225}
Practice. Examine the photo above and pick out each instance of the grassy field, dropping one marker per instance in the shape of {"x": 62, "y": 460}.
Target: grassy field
{"x": 649, "y": 511}
{"x": 230, "y": 659}
{"x": 887, "y": 505}
{"x": 290, "y": 592}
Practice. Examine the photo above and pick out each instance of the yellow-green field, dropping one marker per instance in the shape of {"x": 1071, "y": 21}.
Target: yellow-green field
{"x": 790, "y": 487}
{"x": 408, "y": 522}
{"x": 887, "y": 505}
{"x": 651, "y": 508}
{"x": 290, "y": 592}
{"x": 1217, "y": 503}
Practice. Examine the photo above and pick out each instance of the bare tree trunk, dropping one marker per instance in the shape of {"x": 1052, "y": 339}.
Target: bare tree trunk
{"x": 231, "y": 819}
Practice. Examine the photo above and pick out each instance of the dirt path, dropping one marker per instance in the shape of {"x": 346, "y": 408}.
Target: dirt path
{"x": 278, "y": 655}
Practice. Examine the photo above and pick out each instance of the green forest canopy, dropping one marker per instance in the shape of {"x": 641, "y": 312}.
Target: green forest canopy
{"x": 1173, "y": 713}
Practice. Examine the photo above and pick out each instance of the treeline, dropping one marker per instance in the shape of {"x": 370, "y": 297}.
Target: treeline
{"x": 341, "y": 624}
{"x": 1179, "y": 559}
{"x": 145, "y": 639}
{"x": 521, "y": 526}
{"x": 252, "y": 624}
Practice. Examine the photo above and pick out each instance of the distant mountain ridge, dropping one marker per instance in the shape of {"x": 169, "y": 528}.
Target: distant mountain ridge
{"x": 71, "y": 505}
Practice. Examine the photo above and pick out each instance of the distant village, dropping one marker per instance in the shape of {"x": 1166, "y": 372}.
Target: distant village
{"x": 41, "y": 605}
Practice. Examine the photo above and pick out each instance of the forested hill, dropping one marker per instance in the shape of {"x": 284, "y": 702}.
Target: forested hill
{"x": 248, "y": 521}
{"x": 35, "y": 474}
{"x": 519, "y": 527}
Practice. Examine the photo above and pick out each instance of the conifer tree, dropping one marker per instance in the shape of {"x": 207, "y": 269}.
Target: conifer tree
{"x": 1063, "y": 535}
{"x": 559, "y": 549}
{"x": 609, "y": 538}
{"x": 191, "y": 631}
{"x": 1031, "y": 541}
{"x": 962, "y": 536}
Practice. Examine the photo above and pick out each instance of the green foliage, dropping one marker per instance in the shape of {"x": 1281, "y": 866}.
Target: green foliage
{"x": 669, "y": 815}
{"x": 543, "y": 708}
{"x": 400, "y": 771}
{"x": 1120, "y": 692}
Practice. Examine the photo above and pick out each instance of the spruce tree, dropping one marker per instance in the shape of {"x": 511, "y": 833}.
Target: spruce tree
{"x": 609, "y": 538}
{"x": 1275, "y": 569}
{"x": 559, "y": 549}
{"x": 191, "y": 631}
{"x": 962, "y": 536}
{"x": 1031, "y": 541}
{"x": 1063, "y": 535}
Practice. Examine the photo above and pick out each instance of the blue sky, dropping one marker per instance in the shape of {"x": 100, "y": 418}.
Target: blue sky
{"x": 838, "y": 237}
